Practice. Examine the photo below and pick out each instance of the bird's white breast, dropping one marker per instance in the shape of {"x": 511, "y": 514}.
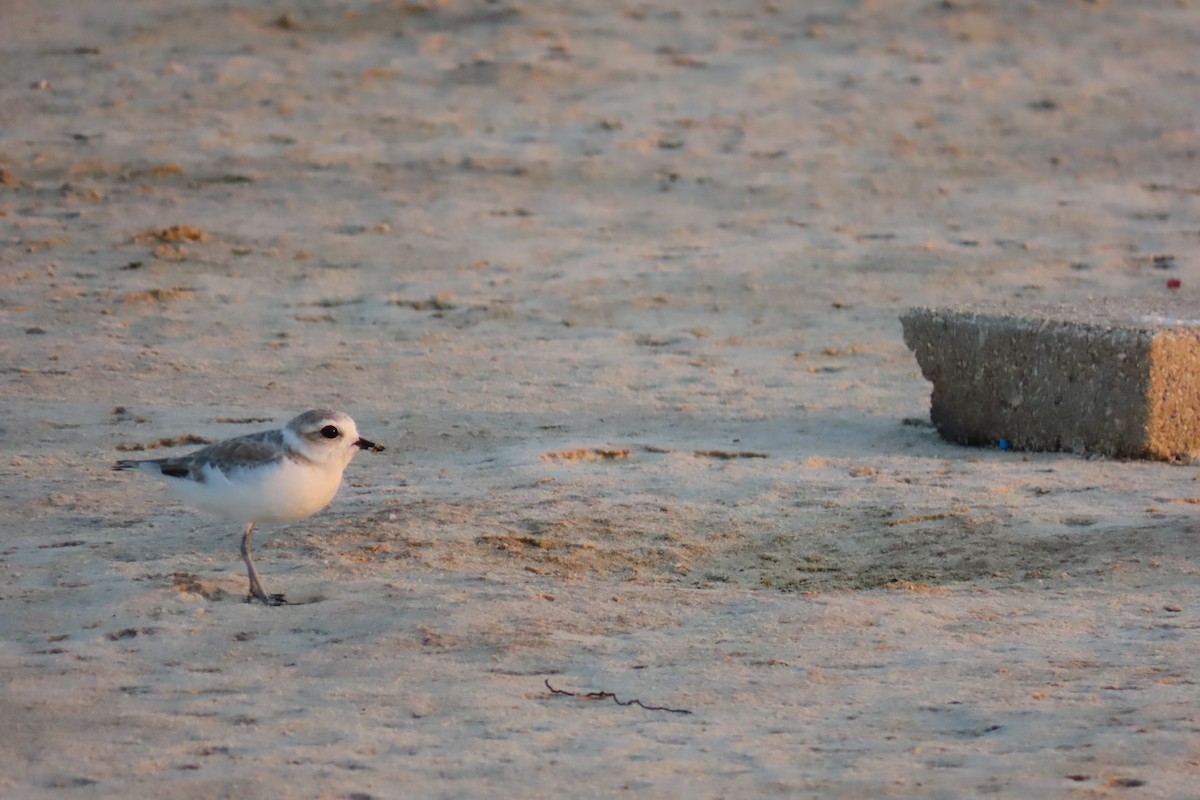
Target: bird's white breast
{"x": 281, "y": 491}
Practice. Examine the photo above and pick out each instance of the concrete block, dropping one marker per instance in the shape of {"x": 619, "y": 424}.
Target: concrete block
{"x": 1117, "y": 378}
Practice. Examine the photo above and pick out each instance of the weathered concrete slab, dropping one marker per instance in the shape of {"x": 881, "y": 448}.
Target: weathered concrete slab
{"x": 1118, "y": 378}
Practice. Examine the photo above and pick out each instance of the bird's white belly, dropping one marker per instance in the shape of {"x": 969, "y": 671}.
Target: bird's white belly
{"x": 278, "y": 492}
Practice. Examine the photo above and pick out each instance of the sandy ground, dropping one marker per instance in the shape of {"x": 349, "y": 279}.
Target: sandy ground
{"x": 617, "y": 284}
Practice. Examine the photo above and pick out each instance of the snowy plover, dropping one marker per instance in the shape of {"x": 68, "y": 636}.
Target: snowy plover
{"x": 270, "y": 476}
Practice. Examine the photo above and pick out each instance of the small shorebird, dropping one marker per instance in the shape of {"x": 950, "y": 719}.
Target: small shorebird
{"x": 271, "y": 476}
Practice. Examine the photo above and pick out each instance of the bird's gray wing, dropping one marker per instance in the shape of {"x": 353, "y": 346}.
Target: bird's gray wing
{"x": 231, "y": 455}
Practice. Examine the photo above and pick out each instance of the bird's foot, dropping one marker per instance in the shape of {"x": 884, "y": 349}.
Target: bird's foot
{"x": 268, "y": 599}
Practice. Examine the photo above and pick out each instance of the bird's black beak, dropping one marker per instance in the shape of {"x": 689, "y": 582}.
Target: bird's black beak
{"x": 369, "y": 445}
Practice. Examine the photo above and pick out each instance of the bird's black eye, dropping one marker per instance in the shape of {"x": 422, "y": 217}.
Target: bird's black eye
{"x": 330, "y": 432}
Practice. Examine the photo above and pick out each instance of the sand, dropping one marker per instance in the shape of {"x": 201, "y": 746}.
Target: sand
{"x": 618, "y": 286}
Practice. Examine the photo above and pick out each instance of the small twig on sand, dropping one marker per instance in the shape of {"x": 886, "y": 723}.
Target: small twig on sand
{"x": 614, "y": 698}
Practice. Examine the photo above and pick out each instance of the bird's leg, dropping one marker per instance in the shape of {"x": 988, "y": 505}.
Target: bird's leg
{"x": 256, "y": 589}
